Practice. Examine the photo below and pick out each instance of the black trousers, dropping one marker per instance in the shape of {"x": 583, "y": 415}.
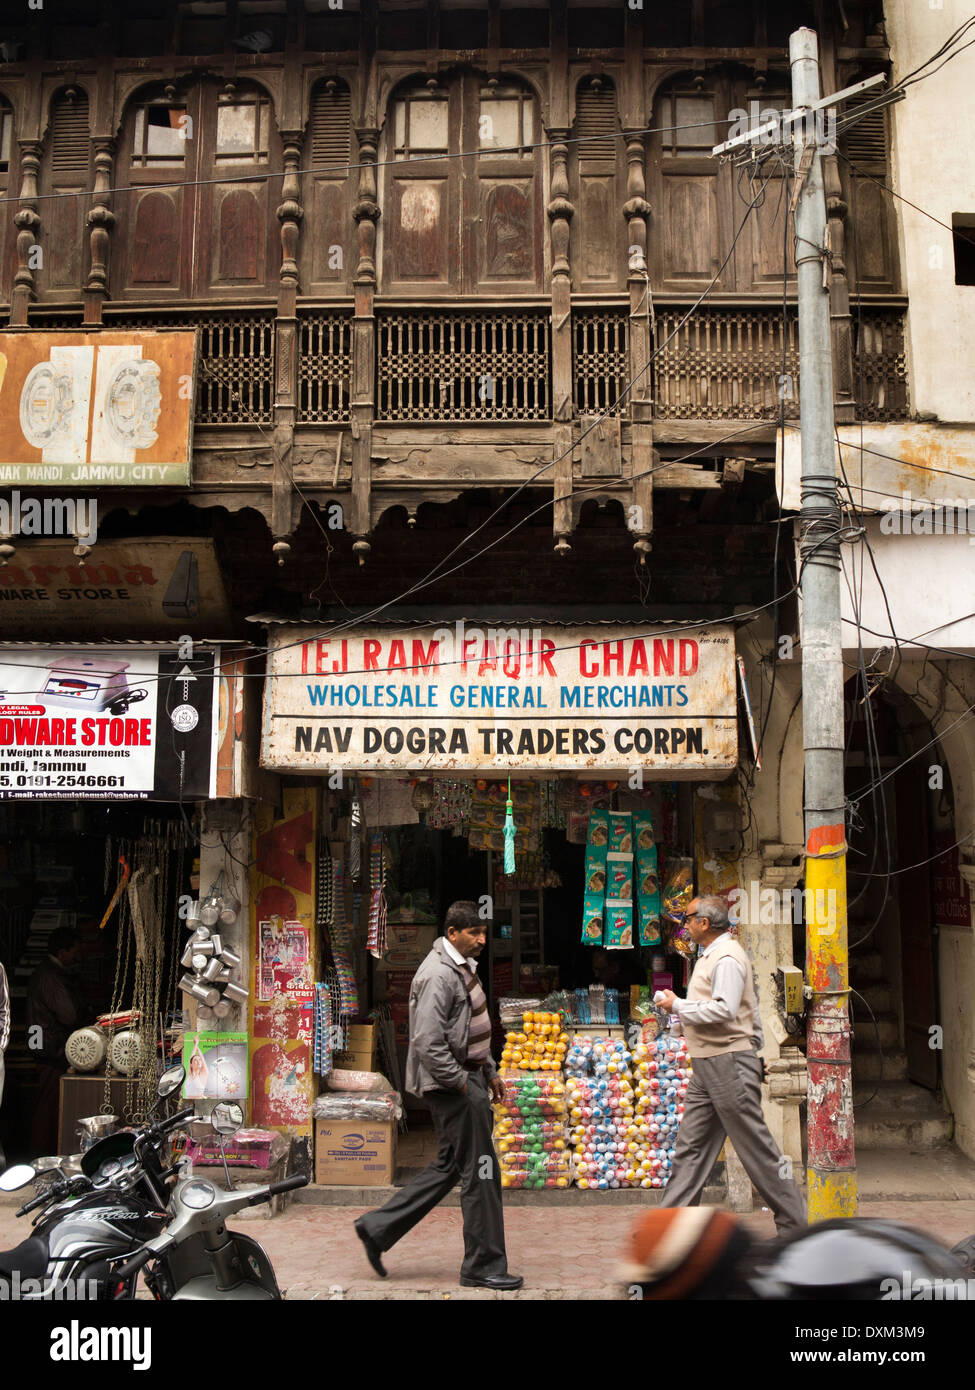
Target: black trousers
{"x": 464, "y": 1125}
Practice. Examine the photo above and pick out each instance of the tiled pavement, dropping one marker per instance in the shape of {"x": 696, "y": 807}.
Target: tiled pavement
{"x": 563, "y": 1253}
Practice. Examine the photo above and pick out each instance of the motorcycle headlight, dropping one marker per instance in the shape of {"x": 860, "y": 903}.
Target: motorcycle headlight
{"x": 197, "y": 1194}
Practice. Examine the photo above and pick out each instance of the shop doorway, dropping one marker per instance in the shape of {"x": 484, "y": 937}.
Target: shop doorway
{"x": 59, "y": 871}
{"x": 899, "y": 812}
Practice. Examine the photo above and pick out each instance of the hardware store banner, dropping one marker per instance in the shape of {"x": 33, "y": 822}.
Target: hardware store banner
{"x": 106, "y": 724}
{"x": 543, "y": 700}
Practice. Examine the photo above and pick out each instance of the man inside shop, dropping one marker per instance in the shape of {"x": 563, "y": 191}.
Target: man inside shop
{"x": 720, "y": 1021}
{"x": 450, "y": 1065}
{"x": 617, "y": 969}
{"x": 53, "y": 1008}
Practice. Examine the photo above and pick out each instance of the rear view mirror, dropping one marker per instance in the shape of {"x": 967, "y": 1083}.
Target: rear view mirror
{"x": 18, "y": 1176}
{"x": 227, "y": 1117}
{"x": 171, "y": 1081}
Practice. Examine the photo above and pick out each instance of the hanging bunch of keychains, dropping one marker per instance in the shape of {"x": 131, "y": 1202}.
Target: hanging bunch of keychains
{"x": 355, "y": 841}
{"x": 339, "y": 1024}
{"x": 451, "y": 804}
{"x": 323, "y": 1029}
{"x": 376, "y": 942}
{"x": 341, "y": 942}
{"x": 328, "y": 1022}
{"x": 209, "y": 965}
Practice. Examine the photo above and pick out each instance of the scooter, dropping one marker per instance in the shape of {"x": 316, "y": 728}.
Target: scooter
{"x": 89, "y": 1219}
{"x": 196, "y": 1258}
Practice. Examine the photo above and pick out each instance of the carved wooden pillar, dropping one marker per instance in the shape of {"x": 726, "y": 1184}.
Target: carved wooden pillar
{"x": 560, "y": 211}
{"x": 101, "y": 221}
{"x": 289, "y": 214}
{"x": 285, "y": 503}
{"x": 837, "y": 211}
{"x": 636, "y": 209}
{"x": 363, "y": 405}
{"x": 29, "y": 223}
{"x": 366, "y": 209}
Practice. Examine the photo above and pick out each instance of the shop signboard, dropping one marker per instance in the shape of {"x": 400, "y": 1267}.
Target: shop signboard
{"x": 540, "y": 700}
{"x": 81, "y": 723}
{"x": 952, "y": 900}
{"x": 106, "y": 408}
{"x": 151, "y": 587}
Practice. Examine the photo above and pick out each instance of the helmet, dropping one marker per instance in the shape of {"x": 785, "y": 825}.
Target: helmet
{"x": 686, "y": 1253}
{"x": 850, "y": 1260}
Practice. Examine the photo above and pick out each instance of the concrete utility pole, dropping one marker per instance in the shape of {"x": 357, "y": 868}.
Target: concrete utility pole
{"x": 831, "y": 1161}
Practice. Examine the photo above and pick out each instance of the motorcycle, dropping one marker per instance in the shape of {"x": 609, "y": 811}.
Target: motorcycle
{"x": 87, "y": 1220}
{"x": 196, "y": 1258}
{"x": 122, "y": 1202}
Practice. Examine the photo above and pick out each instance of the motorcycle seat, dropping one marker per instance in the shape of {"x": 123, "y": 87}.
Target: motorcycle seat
{"x": 30, "y": 1257}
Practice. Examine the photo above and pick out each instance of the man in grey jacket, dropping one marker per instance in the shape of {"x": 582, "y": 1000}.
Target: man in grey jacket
{"x": 450, "y": 1066}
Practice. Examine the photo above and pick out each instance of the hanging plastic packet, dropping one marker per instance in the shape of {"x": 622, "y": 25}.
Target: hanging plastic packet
{"x": 594, "y": 901}
{"x": 647, "y": 883}
{"x": 678, "y": 894}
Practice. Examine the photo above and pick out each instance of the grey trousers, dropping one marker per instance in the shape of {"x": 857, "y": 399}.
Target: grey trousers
{"x": 724, "y": 1099}
{"x": 464, "y": 1123}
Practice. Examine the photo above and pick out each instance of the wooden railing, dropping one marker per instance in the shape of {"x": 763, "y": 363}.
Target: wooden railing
{"x": 494, "y": 365}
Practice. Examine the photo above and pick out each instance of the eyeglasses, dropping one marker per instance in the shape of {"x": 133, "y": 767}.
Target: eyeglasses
{"x": 691, "y": 916}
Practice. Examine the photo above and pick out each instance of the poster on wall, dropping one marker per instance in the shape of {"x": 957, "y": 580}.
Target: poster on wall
{"x": 113, "y": 408}
{"x": 107, "y": 724}
{"x": 216, "y": 1066}
{"x": 538, "y": 700}
{"x": 282, "y": 1079}
{"x": 283, "y": 1084}
{"x": 285, "y": 967}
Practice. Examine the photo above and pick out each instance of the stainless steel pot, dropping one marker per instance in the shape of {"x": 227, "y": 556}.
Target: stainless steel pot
{"x": 95, "y": 1127}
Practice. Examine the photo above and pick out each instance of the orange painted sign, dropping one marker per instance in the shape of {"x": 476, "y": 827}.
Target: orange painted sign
{"x": 106, "y": 408}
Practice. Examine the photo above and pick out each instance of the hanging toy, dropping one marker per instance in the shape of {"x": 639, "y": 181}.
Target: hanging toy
{"x": 510, "y": 831}
{"x": 355, "y": 841}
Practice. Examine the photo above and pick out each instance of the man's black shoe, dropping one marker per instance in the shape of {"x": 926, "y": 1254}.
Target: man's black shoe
{"x": 373, "y": 1252}
{"x": 504, "y": 1283}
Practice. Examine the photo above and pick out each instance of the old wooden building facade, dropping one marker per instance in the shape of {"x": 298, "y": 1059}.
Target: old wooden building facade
{"x": 471, "y": 293}
{"x": 428, "y": 246}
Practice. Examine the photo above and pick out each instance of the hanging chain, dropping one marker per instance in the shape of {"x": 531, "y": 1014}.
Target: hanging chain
{"x": 123, "y": 943}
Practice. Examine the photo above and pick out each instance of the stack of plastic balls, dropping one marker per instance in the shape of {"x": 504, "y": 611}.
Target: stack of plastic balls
{"x": 661, "y": 1071}
{"x": 540, "y": 1046}
{"x": 529, "y": 1124}
{"x": 602, "y": 1108}
{"x": 530, "y": 1131}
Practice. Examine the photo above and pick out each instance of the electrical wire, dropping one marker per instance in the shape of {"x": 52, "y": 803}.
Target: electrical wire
{"x": 862, "y": 174}
{"x": 436, "y": 574}
{"x": 880, "y": 1050}
{"x": 351, "y": 167}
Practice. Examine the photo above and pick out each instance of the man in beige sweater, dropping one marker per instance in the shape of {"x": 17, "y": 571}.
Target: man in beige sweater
{"x": 720, "y": 1021}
